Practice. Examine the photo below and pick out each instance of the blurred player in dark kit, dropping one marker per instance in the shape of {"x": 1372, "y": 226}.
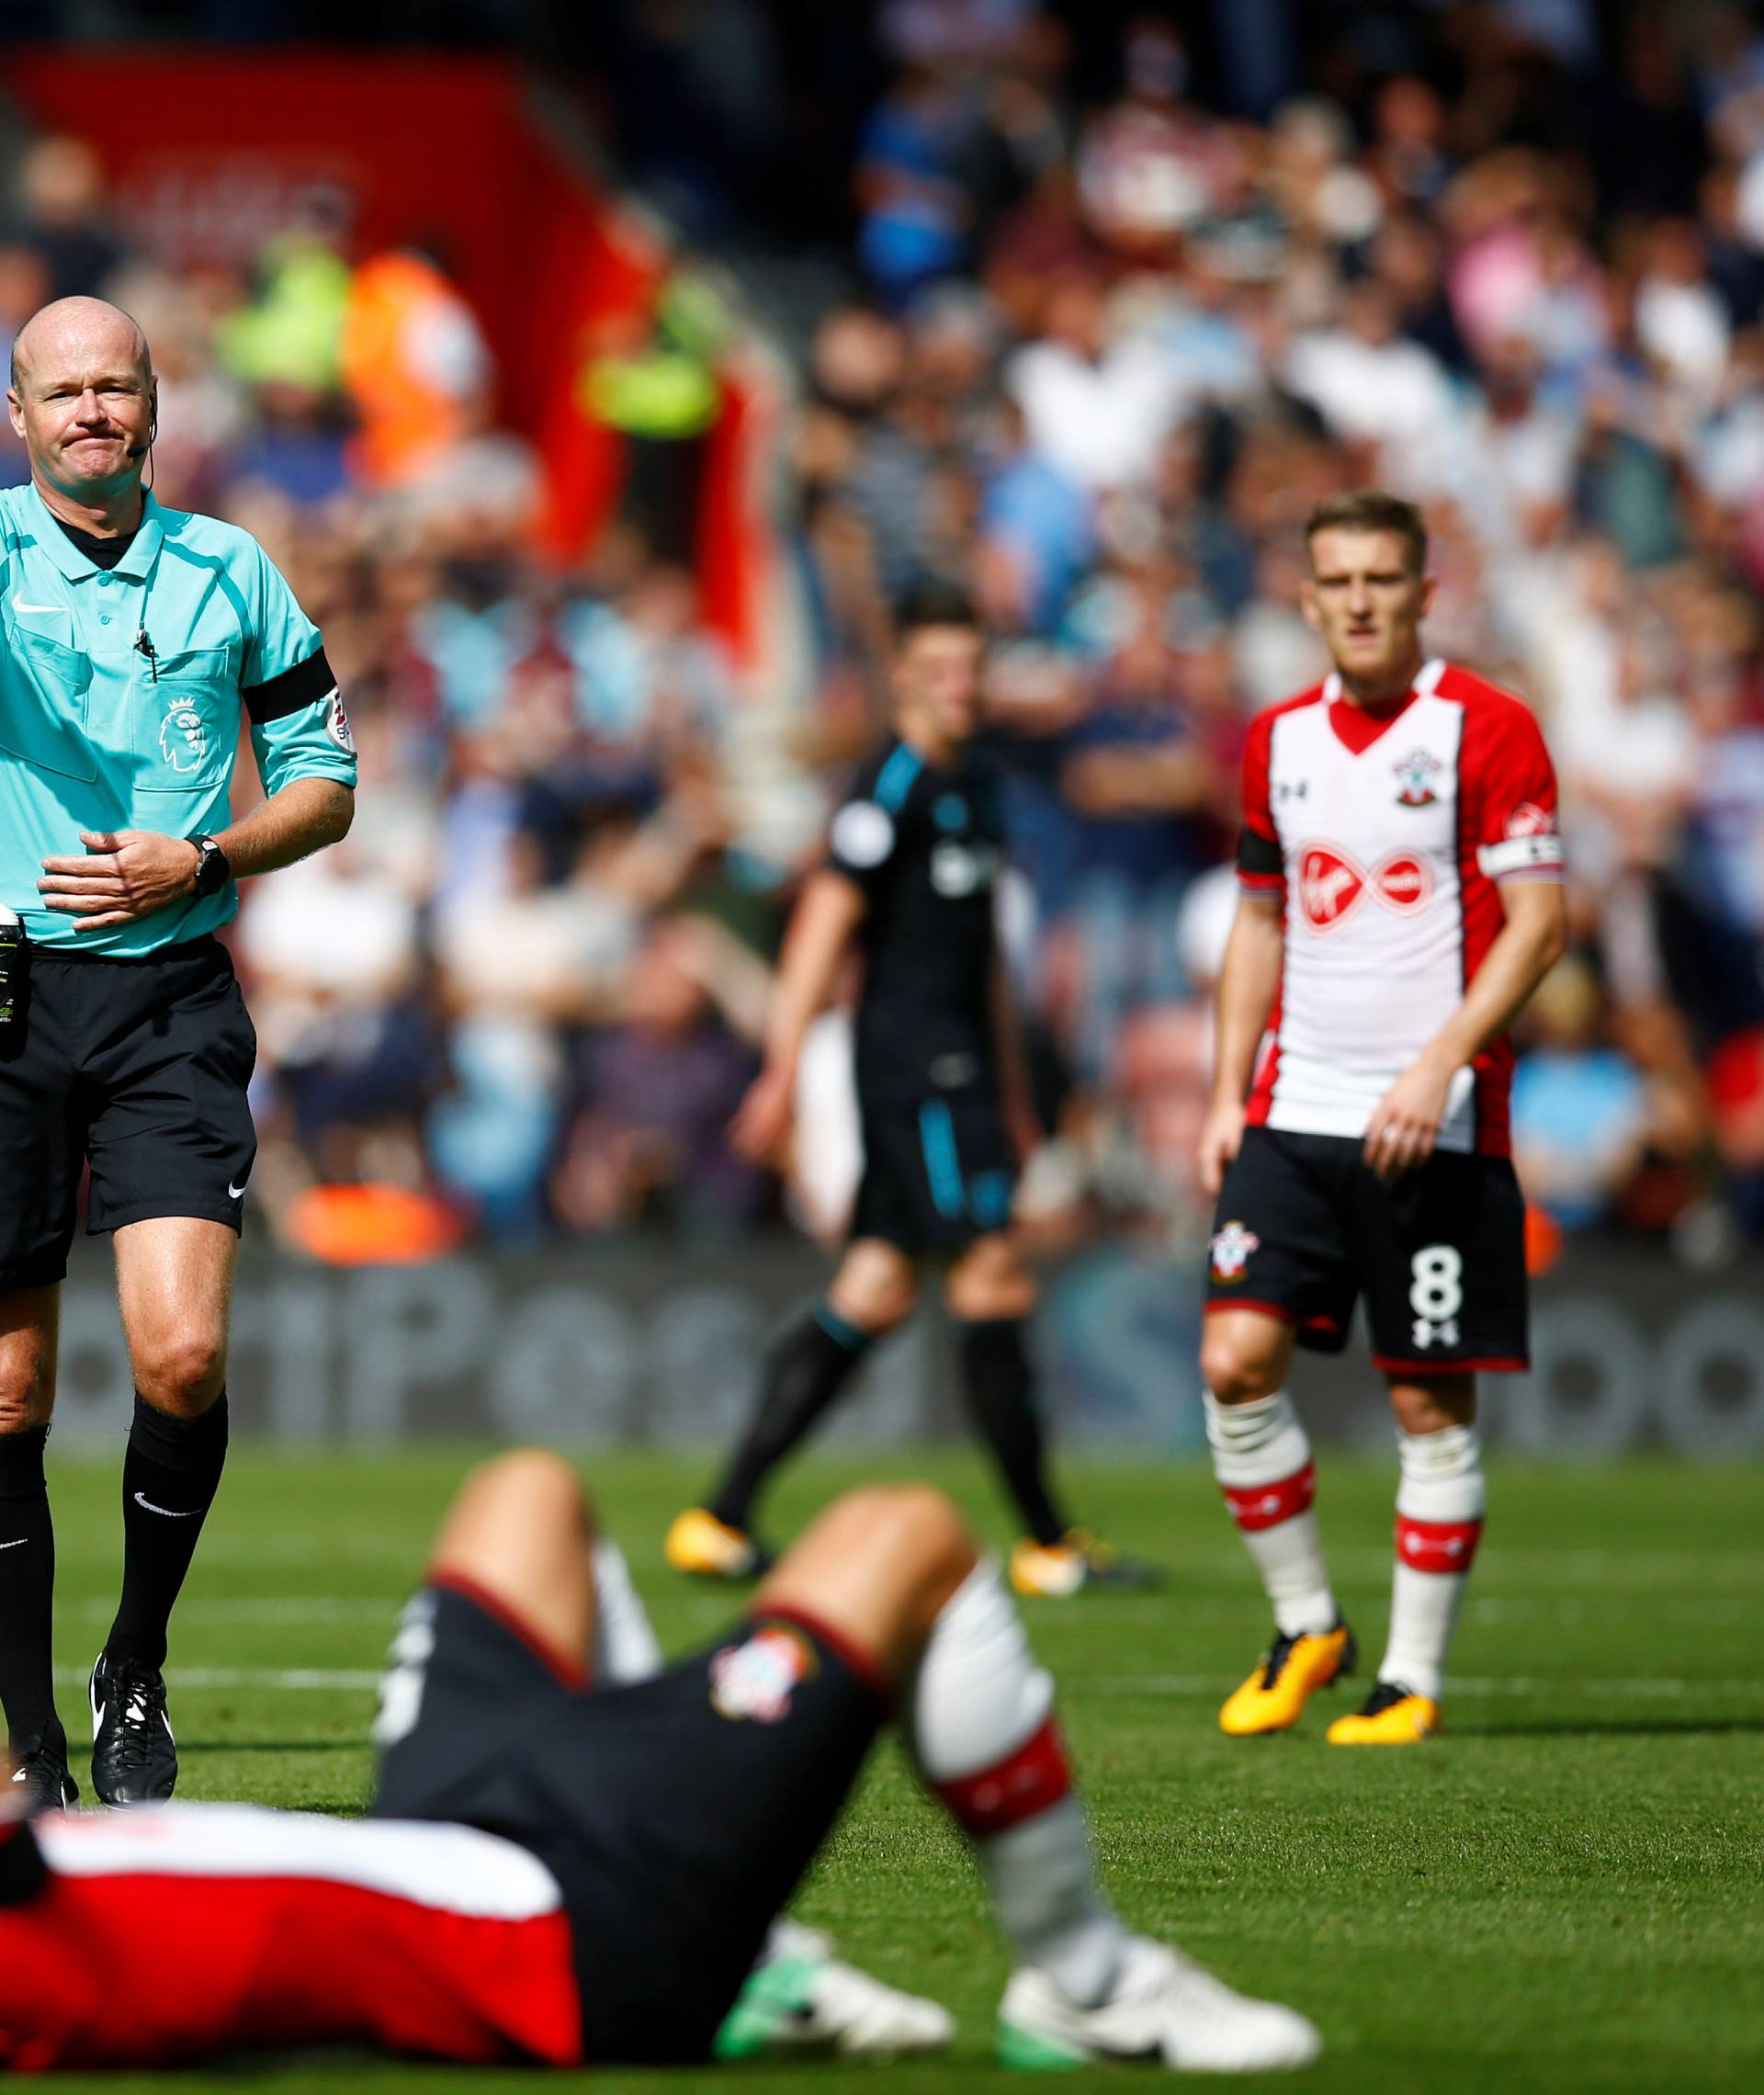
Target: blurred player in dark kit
{"x": 914, "y": 857}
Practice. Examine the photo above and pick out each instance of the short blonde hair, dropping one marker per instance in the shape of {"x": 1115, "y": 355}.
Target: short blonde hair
{"x": 1372, "y": 509}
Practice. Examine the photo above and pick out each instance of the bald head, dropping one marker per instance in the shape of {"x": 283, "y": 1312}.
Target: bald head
{"x": 88, "y": 330}
{"x": 83, "y": 400}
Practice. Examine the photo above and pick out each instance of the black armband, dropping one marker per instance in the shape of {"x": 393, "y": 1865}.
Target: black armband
{"x": 308, "y": 683}
{"x": 1259, "y": 857}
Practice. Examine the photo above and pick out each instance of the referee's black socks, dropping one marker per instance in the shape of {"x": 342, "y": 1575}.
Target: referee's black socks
{"x": 170, "y": 1475}
{"x": 26, "y": 1590}
{"x": 809, "y": 1364}
{"x": 1001, "y": 1401}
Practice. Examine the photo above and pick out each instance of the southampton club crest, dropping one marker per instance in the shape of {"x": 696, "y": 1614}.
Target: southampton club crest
{"x": 1415, "y": 777}
{"x": 1231, "y": 1250}
{"x": 184, "y": 736}
{"x": 755, "y": 1680}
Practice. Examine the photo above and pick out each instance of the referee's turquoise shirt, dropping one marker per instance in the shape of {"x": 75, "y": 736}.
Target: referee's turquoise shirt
{"x": 121, "y": 694}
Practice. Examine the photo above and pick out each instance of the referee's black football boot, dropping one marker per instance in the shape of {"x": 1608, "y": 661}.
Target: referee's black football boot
{"x": 40, "y": 1770}
{"x": 134, "y": 1759}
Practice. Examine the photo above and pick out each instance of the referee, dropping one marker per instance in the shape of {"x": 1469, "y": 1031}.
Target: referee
{"x": 135, "y": 637}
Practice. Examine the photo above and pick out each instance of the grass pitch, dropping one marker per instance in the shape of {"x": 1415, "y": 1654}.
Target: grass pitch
{"x": 1566, "y": 1892}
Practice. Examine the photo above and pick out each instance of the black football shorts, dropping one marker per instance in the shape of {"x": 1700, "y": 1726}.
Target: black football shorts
{"x": 677, "y": 1813}
{"x": 1304, "y": 1228}
{"x": 138, "y": 1066}
{"x": 938, "y": 1172}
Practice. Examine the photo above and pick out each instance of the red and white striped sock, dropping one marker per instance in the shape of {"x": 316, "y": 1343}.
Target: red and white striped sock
{"x": 1263, "y": 1460}
{"x": 1440, "y": 1505}
{"x": 979, "y": 1721}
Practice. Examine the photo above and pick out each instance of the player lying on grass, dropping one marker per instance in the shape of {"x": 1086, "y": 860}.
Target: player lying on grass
{"x": 558, "y": 1872}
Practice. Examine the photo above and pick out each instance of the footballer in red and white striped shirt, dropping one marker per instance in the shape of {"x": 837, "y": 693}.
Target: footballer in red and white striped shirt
{"x": 1401, "y": 899}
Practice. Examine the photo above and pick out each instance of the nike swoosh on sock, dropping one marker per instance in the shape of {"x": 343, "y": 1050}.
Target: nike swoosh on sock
{"x": 170, "y": 1512}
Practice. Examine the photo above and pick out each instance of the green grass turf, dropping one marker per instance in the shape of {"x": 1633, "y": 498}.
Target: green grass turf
{"x": 1566, "y": 1892}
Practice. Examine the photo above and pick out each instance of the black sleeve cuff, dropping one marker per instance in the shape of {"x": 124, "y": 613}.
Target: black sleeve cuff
{"x": 1259, "y": 856}
{"x": 308, "y": 683}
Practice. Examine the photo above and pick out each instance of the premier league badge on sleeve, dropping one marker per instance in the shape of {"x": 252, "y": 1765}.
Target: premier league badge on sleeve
{"x": 1231, "y": 1250}
{"x": 336, "y": 724}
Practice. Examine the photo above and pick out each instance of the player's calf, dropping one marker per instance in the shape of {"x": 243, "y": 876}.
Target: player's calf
{"x": 980, "y": 1720}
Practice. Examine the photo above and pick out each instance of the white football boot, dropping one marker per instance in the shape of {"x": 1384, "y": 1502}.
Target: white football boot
{"x": 800, "y": 2000}
{"x": 1163, "y": 2009}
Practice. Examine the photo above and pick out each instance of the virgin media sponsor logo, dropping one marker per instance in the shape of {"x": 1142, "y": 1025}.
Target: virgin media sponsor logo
{"x": 1331, "y": 885}
{"x": 1405, "y": 882}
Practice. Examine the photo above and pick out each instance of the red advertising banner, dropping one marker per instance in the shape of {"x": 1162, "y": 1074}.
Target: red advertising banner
{"x": 209, "y": 154}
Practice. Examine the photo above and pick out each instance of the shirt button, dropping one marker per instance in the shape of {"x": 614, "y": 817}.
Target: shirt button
{"x": 104, "y": 617}
{"x": 106, "y": 580}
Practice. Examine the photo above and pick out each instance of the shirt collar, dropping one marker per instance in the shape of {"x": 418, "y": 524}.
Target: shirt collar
{"x": 1426, "y": 678}
{"x": 136, "y": 562}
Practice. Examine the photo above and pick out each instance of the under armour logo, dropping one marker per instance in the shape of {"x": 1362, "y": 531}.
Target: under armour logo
{"x": 1443, "y": 1333}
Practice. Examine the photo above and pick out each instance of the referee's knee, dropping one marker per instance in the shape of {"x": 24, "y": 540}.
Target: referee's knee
{"x": 21, "y": 1405}
{"x": 182, "y": 1373}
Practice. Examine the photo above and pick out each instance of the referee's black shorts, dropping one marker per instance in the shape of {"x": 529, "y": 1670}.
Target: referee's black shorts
{"x": 137, "y": 1066}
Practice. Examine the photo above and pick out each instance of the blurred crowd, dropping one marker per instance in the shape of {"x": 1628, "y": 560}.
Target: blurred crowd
{"x": 1098, "y": 355}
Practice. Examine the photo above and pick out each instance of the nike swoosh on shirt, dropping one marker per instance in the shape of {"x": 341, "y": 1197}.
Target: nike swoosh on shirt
{"x": 20, "y": 1544}
{"x": 18, "y": 607}
{"x": 236, "y": 1192}
{"x": 170, "y": 1512}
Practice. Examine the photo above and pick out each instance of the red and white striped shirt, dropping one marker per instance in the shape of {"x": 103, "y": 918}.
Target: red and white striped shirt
{"x": 1389, "y": 832}
{"x": 179, "y": 1932}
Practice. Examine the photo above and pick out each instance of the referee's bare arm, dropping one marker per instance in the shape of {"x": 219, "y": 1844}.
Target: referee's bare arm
{"x": 122, "y": 876}
{"x": 302, "y": 818}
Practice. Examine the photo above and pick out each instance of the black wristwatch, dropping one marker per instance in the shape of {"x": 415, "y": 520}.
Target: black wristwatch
{"x": 212, "y": 872}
